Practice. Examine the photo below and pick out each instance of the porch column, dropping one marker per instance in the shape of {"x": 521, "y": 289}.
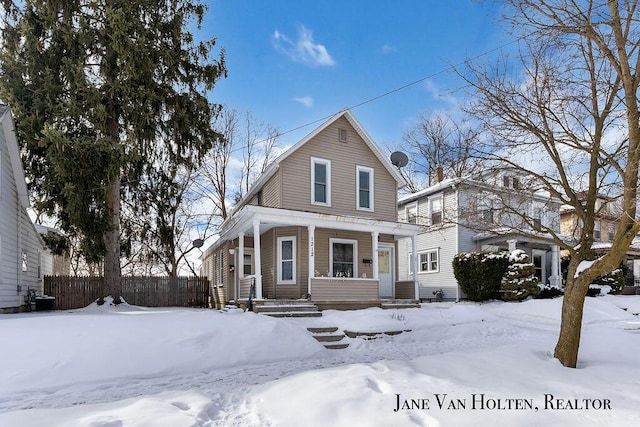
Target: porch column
{"x": 256, "y": 255}
{"x": 311, "y": 230}
{"x": 240, "y": 267}
{"x": 555, "y": 279}
{"x": 374, "y": 252}
{"x": 414, "y": 251}
{"x": 512, "y": 244}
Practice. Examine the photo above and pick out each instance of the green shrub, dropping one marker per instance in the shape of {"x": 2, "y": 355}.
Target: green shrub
{"x": 615, "y": 279}
{"x": 519, "y": 281}
{"x": 479, "y": 274}
{"x": 549, "y": 292}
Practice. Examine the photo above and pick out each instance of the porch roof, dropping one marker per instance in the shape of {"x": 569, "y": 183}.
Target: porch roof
{"x": 538, "y": 239}
{"x": 242, "y": 222}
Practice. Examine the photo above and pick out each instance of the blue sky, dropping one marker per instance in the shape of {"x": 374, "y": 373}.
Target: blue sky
{"x": 295, "y": 62}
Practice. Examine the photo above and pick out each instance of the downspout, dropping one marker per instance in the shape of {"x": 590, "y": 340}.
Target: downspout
{"x": 457, "y": 244}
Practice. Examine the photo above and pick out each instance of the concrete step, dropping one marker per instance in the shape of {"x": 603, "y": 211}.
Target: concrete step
{"x": 337, "y": 346}
{"x": 320, "y": 330}
{"x": 292, "y": 313}
{"x": 329, "y": 338}
{"x": 399, "y": 304}
{"x": 278, "y": 308}
{"x": 373, "y": 335}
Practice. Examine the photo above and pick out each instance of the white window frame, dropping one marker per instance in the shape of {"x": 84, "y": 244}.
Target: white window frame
{"x": 431, "y": 211}
{"x": 250, "y": 255}
{"x": 597, "y": 231}
{"x": 611, "y": 231}
{"x": 407, "y": 208}
{"x": 280, "y": 280}
{"x": 327, "y": 164}
{"x": 369, "y": 171}
{"x": 427, "y": 253}
{"x": 355, "y": 255}
{"x": 221, "y": 267}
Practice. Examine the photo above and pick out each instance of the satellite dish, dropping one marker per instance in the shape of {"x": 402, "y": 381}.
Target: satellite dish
{"x": 399, "y": 159}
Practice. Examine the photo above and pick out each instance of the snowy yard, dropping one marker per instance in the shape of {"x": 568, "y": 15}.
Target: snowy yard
{"x": 486, "y": 364}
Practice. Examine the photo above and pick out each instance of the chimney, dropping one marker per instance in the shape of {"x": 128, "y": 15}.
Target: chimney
{"x": 438, "y": 175}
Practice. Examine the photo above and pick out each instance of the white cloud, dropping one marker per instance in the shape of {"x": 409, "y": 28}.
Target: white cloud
{"x": 387, "y": 48}
{"x": 303, "y": 50}
{"x": 307, "y": 101}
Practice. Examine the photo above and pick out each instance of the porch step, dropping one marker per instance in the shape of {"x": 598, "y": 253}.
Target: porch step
{"x": 292, "y": 313}
{"x": 399, "y": 304}
{"x": 329, "y": 337}
{"x": 287, "y": 308}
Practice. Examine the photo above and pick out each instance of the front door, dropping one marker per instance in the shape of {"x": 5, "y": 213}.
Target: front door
{"x": 540, "y": 265}
{"x": 385, "y": 271}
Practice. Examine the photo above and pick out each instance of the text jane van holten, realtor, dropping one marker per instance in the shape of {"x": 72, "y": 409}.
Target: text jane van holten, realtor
{"x": 481, "y": 401}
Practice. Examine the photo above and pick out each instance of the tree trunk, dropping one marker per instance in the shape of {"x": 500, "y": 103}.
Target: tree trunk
{"x": 566, "y": 350}
{"x": 112, "y": 273}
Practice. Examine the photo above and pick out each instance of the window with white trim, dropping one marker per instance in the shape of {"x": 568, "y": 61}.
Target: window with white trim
{"x": 611, "y": 231}
{"x": 411, "y": 213}
{"x": 364, "y": 186}
{"x": 286, "y": 260}
{"x": 247, "y": 264}
{"x": 343, "y": 255}
{"x": 428, "y": 261}
{"x": 597, "y": 231}
{"x": 435, "y": 209}
{"x": 221, "y": 259}
{"x": 320, "y": 181}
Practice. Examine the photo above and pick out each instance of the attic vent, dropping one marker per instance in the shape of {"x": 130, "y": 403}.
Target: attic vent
{"x": 342, "y": 135}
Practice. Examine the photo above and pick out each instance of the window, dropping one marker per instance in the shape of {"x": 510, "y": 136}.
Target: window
{"x": 611, "y": 231}
{"x": 342, "y": 135}
{"x": 509, "y": 181}
{"x": 24, "y": 261}
{"x": 411, "y": 214}
{"x": 537, "y": 219}
{"x": 364, "y": 184}
{"x": 247, "y": 265}
{"x": 286, "y": 260}
{"x": 320, "y": 182}
{"x": 596, "y": 230}
{"x": 427, "y": 262}
{"x": 436, "y": 210}
{"x": 344, "y": 254}
{"x": 259, "y": 197}
{"x": 487, "y": 215}
{"x": 221, "y": 258}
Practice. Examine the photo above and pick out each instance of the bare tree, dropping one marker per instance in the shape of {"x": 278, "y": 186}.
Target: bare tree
{"x": 258, "y": 150}
{"x": 439, "y": 141}
{"x": 566, "y": 112}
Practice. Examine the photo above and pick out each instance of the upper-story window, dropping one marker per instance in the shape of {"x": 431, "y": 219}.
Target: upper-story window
{"x": 320, "y": 181}
{"x": 510, "y": 181}
{"x": 611, "y": 231}
{"x": 597, "y": 231}
{"x": 411, "y": 213}
{"x": 536, "y": 218}
{"x": 435, "y": 205}
{"x": 364, "y": 185}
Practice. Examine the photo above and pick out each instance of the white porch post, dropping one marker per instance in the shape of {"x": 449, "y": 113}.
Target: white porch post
{"x": 256, "y": 254}
{"x": 240, "y": 268}
{"x": 414, "y": 251}
{"x": 555, "y": 279}
{"x": 374, "y": 255}
{"x": 512, "y": 244}
{"x": 311, "y": 229}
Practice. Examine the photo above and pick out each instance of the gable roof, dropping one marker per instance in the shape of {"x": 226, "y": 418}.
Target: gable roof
{"x": 9, "y": 130}
{"x": 347, "y": 114}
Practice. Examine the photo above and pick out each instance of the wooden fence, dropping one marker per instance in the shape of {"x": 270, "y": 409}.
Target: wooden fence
{"x": 76, "y": 292}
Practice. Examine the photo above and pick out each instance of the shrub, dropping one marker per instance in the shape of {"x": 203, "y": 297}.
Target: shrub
{"x": 519, "y": 281}
{"x": 549, "y": 292}
{"x": 480, "y": 274}
{"x": 615, "y": 279}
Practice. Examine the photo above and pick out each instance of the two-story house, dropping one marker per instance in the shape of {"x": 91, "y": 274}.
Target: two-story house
{"x": 319, "y": 223}
{"x": 21, "y": 248}
{"x": 604, "y": 229}
{"x": 482, "y": 214}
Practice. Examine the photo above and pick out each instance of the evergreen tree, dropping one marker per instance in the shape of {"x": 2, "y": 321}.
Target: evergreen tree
{"x": 98, "y": 87}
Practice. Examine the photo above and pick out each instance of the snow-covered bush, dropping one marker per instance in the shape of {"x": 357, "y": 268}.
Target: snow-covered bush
{"x": 479, "y": 274}
{"x": 615, "y": 279}
{"x": 519, "y": 281}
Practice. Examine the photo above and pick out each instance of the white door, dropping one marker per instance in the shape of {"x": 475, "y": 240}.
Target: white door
{"x": 385, "y": 271}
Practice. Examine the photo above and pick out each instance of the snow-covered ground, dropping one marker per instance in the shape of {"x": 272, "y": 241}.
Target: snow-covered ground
{"x": 458, "y": 364}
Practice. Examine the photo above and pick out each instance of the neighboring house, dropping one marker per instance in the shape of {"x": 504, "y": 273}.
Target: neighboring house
{"x": 20, "y": 245}
{"x": 319, "y": 223}
{"x": 53, "y": 264}
{"x": 605, "y": 226}
{"x": 467, "y": 215}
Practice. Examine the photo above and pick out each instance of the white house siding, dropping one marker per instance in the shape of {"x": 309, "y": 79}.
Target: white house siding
{"x": 17, "y": 232}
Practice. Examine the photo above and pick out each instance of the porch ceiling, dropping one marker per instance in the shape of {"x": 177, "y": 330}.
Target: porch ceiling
{"x": 273, "y": 217}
